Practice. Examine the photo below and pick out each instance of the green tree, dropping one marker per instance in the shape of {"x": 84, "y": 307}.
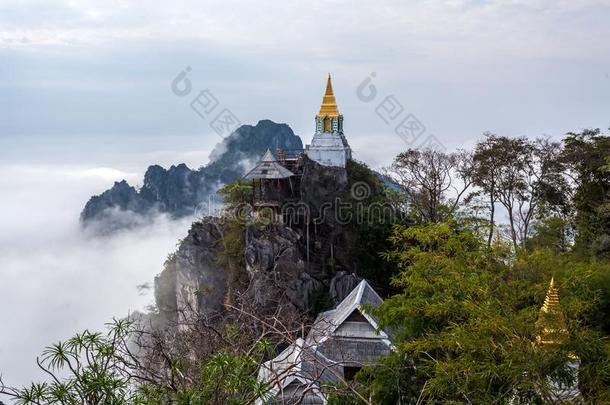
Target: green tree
{"x": 119, "y": 368}
{"x": 237, "y": 197}
{"x": 89, "y": 368}
{"x": 586, "y": 155}
{"x": 236, "y": 194}
{"x": 525, "y": 177}
{"x": 553, "y": 232}
{"x": 465, "y": 322}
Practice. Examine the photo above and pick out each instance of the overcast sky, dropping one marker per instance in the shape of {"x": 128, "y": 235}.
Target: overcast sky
{"x": 86, "y": 100}
{"x": 91, "y": 79}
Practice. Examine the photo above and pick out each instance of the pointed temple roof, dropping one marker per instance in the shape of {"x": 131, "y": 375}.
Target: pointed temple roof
{"x": 268, "y": 168}
{"x": 327, "y": 322}
{"x": 329, "y": 104}
{"x": 301, "y": 364}
{"x": 551, "y": 321}
{"x": 305, "y": 363}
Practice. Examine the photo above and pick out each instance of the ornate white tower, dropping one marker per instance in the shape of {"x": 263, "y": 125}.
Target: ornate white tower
{"x": 329, "y": 146}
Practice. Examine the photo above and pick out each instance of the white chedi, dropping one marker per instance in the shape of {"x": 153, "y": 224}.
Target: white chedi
{"x": 329, "y": 146}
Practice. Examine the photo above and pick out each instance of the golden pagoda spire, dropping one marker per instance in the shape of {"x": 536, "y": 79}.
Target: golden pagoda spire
{"x": 329, "y": 86}
{"x": 329, "y": 104}
{"x": 551, "y": 322}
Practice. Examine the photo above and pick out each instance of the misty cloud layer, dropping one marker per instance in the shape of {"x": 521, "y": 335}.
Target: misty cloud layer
{"x": 54, "y": 280}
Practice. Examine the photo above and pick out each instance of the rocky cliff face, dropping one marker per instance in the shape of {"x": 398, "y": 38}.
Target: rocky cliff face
{"x": 179, "y": 190}
{"x": 278, "y": 269}
{"x": 192, "y": 278}
{"x": 306, "y": 265}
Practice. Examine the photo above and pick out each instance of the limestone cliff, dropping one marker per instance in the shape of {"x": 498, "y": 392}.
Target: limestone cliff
{"x": 308, "y": 264}
{"x": 192, "y": 277}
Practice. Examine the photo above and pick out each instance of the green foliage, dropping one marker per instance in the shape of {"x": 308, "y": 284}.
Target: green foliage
{"x": 107, "y": 369}
{"x": 231, "y": 254}
{"x": 89, "y": 368}
{"x": 227, "y": 377}
{"x": 586, "y": 155}
{"x": 380, "y": 383}
{"x": 236, "y": 193}
{"x": 373, "y": 217}
{"x": 552, "y": 233}
{"x": 236, "y": 197}
{"x": 465, "y": 322}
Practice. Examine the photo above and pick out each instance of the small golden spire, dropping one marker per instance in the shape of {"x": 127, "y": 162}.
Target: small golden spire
{"x": 329, "y": 104}
{"x": 551, "y": 301}
{"x": 551, "y": 322}
{"x": 329, "y": 86}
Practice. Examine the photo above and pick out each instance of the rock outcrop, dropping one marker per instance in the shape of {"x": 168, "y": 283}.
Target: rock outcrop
{"x": 193, "y": 280}
{"x": 306, "y": 264}
{"x": 341, "y": 285}
{"x": 277, "y": 268}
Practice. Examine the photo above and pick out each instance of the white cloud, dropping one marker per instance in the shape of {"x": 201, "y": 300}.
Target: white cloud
{"x": 104, "y": 173}
{"x": 462, "y": 66}
{"x": 56, "y": 280}
{"x": 472, "y": 29}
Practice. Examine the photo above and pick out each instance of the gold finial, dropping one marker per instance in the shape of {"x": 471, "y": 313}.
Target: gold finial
{"x": 329, "y": 86}
{"x": 551, "y": 322}
{"x": 329, "y": 104}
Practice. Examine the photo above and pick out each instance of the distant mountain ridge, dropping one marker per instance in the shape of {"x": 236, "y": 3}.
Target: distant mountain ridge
{"x": 179, "y": 190}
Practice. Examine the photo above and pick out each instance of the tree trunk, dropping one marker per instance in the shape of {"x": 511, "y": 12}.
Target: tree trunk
{"x": 492, "y": 212}
{"x": 513, "y": 232}
{"x": 229, "y": 285}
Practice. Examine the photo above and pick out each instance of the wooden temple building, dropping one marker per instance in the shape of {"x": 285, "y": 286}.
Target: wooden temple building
{"x": 274, "y": 181}
{"x": 340, "y": 342}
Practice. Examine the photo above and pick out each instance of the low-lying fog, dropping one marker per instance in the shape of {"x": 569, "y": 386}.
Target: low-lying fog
{"x": 54, "y": 279}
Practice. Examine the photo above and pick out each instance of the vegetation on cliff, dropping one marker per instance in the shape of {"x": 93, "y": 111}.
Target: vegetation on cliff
{"x": 465, "y": 322}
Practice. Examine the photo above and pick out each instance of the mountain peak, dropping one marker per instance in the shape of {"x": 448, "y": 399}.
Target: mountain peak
{"x": 179, "y": 190}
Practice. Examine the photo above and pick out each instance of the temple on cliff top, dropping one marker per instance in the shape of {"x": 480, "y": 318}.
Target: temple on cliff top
{"x": 276, "y": 178}
{"x": 329, "y": 146}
